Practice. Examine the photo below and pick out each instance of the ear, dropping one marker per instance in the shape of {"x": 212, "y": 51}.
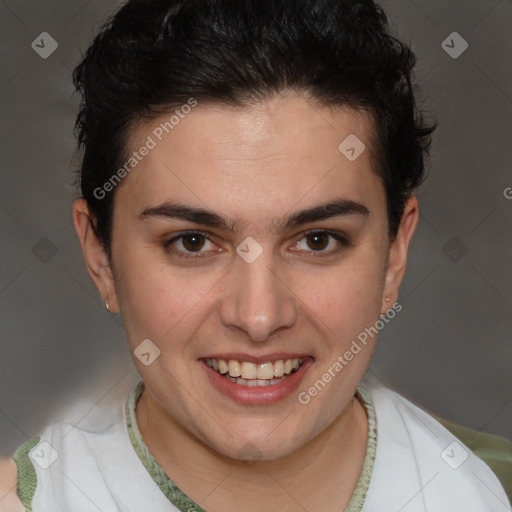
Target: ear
{"x": 397, "y": 256}
{"x": 95, "y": 257}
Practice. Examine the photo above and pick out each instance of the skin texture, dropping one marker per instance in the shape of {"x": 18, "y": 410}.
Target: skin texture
{"x": 9, "y": 501}
{"x": 253, "y": 165}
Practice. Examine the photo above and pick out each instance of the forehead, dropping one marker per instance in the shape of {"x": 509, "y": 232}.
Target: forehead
{"x": 274, "y": 153}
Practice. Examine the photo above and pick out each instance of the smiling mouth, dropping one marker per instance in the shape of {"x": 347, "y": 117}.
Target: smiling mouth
{"x": 250, "y": 374}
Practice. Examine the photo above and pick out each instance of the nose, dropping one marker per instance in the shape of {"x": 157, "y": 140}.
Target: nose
{"x": 258, "y": 300}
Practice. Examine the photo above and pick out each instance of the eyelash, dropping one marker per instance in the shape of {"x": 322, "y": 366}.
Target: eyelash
{"x": 339, "y": 237}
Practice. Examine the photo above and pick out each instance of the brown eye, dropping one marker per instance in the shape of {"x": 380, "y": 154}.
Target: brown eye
{"x": 323, "y": 243}
{"x": 188, "y": 245}
{"x": 193, "y": 242}
{"x": 318, "y": 241}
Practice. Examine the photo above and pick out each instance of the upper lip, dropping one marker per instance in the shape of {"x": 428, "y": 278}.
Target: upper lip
{"x": 277, "y": 356}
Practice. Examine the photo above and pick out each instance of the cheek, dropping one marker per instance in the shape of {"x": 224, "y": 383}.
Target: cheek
{"x": 345, "y": 299}
{"x": 152, "y": 300}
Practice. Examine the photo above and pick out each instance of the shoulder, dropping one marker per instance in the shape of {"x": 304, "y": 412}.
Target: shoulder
{"x": 9, "y": 501}
{"x": 412, "y": 437}
{"x": 494, "y": 450}
{"x": 100, "y": 433}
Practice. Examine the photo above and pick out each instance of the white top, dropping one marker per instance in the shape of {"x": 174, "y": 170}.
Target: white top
{"x": 419, "y": 466}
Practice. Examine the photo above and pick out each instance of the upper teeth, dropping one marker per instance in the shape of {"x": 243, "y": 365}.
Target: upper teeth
{"x": 247, "y": 370}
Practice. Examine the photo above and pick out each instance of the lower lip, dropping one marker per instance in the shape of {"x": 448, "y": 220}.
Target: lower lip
{"x": 257, "y": 395}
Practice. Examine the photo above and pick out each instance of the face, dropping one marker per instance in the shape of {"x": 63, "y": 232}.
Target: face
{"x": 225, "y": 258}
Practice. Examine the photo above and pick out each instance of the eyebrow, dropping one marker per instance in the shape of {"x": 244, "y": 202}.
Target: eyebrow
{"x": 335, "y": 208}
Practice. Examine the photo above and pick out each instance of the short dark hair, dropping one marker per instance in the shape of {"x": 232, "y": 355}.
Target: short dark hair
{"x": 156, "y": 54}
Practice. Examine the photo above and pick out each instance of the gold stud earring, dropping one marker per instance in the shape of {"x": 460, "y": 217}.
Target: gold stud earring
{"x": 107, "y": 305}
{"x": 387, "y": 300}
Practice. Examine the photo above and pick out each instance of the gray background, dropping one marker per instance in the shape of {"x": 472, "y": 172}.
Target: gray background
{"x": 449, "y": 349}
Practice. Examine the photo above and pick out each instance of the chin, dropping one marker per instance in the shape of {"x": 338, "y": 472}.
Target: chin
{"x": 254, "y": 448}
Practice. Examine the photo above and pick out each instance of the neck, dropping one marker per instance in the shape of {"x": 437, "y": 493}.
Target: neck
{"x": 323, "y": 473}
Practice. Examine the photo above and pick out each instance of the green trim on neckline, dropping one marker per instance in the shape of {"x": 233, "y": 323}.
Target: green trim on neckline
{"x": 173, "y": 493}
{"x": 180, "y": 500}
{"x": 359, "y": 495}
{"x": 27, "y": 478}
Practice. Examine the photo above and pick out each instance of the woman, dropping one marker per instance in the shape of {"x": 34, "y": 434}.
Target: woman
{"x": 223, "y": 141}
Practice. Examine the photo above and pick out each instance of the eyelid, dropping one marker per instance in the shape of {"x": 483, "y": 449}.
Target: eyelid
{"x": 342, "y": 239}
{"x": 338, "y": 235}
{"x": 189, "y": 232}
{"x": 174, "y": 238}
{"x": 182, "y": 234}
